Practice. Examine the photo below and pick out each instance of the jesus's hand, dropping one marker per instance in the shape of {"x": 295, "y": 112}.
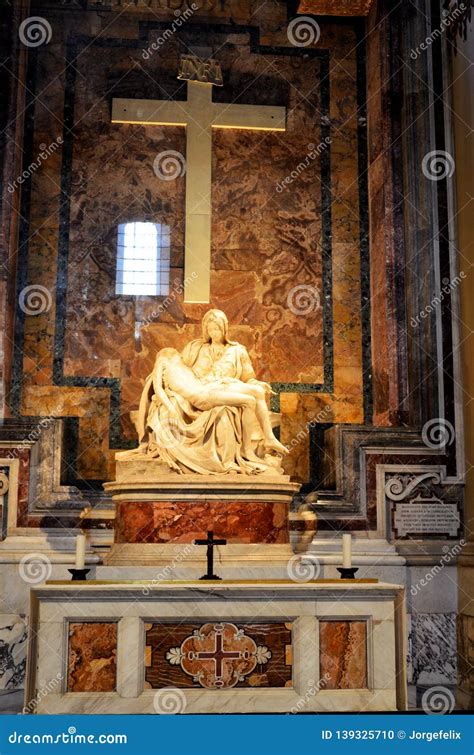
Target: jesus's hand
{"x": 266, "y": 386}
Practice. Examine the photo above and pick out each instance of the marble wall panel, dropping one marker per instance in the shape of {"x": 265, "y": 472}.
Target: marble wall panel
{"x": 92, "y": 654}
{"x": 336, "y": 7}
{"x": 343, "y": 654}
{"x": 465, "y": 636}
{"x": 433, "y": 648}
{"x": 265, "y": 241}
{"x": 13, "y": 637}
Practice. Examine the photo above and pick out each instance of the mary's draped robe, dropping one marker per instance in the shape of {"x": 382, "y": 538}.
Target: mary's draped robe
{"x": 204, "y": 442}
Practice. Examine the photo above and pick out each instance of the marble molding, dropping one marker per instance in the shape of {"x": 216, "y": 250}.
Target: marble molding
{"x": 223, "y": 10}
{"x": 33, "y": 452}
{"x": 196, "y": 604}
{"x": 359, "y": 464}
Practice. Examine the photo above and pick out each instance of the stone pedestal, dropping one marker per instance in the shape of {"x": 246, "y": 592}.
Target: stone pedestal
{"x": 158, "y": 517}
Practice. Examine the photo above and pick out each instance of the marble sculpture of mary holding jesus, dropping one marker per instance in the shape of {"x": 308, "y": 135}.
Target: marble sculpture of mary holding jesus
{"x": 204, "y": 411}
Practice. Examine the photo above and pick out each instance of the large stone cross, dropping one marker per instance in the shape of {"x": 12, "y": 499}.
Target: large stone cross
{"x": 199, "y": 115}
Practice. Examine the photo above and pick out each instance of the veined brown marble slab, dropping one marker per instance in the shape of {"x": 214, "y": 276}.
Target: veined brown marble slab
{"x": 266, "y": 240}
{"x": 335, "y": 7}
{"x": 184, "y": 521}
{"x": 92, "y": 657}
{"x": 343, "y": 654}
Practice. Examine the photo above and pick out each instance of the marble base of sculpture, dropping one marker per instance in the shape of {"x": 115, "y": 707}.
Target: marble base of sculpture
{"x": 158, "y": 516}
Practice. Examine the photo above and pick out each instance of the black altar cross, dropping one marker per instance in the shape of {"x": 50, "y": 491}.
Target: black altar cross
{"x": 210, "y": 542}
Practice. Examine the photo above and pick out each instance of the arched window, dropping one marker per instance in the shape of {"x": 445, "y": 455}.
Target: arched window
{"x": 143, "y": 259}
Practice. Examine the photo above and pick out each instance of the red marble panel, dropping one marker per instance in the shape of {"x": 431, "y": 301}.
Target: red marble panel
{"x": 184, "y": 521}
{"x": 92, "y": 657}
{"x": 343, "y": 654}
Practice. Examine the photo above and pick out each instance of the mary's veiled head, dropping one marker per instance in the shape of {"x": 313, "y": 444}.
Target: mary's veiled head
{"x": 218, "y": 317}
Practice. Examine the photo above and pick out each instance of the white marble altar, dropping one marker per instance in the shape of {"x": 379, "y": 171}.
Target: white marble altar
{"x": 366, "y": 670}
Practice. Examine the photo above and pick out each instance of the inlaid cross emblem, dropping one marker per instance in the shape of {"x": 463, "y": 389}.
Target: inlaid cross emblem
{"x": 218, "y": 655}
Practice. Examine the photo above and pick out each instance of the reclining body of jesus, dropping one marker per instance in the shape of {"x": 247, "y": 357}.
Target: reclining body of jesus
{"x": 171, "y": 372}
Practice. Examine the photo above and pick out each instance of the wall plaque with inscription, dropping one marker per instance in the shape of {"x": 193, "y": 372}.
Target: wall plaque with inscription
{"x": 427, "y": 518}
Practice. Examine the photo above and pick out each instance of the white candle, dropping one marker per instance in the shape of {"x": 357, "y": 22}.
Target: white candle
{"x": 346, "y": 551}
{"x": 80, "y": 551}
